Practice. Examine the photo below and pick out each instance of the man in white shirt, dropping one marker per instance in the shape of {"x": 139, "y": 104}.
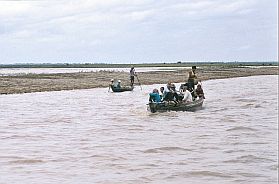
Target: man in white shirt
{"x": 187, "y": 95}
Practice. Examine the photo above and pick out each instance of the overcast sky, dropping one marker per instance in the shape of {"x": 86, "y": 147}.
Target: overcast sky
{"x": 137, "y": 31}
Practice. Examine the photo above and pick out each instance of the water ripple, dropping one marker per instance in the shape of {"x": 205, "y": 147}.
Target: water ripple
{"x": 249, "y": 159}
{"x": 241, "y": 128}
{"x": 165, "y": 149}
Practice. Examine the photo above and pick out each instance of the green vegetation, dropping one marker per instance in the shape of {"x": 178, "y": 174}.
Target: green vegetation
{"x": 103, "y": 65}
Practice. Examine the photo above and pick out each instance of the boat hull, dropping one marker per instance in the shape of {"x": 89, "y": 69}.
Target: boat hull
{"x": 171, "y": 106}
{"x": 122, "y": 89}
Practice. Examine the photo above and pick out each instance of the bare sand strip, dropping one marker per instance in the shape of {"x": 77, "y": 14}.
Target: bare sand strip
{"x": 68, "y": 81}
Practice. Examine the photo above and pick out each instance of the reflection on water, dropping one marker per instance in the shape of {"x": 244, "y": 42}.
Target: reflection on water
{"x": 92, "y": 136}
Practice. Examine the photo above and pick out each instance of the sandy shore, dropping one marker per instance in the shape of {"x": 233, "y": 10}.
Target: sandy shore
{"x": 68, "y": 81}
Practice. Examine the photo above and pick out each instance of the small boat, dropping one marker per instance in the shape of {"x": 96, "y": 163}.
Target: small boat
{"x": 117, "y": 87}
{"x": 121, "y": 89}
{"x": 172, "y": 106}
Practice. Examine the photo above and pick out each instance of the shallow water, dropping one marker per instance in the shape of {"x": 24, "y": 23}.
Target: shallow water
{"x": 22, "y": 71}
{"x": 94, "y": 136}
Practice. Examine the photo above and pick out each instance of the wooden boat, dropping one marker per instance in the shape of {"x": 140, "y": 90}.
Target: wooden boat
{"x": 121, "y": 89}
{"x": 172, "y": 106}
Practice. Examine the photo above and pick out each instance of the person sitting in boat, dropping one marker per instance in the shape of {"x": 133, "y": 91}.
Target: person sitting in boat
{"x": 111, "y": 85}
{"x": 193, "y": 93}
{"x": 199, "y": 91}
{"x": 182, "y": 86}
{"x": 119, "y": 84}
{"x": 154, "y": 96}
{"x": 187, "y": 95}
{"x": 171, "y": 94}
{"x": 167, "y": 91}
{"x": 116, "y": 84}
{"x": 176, "y": 94}
{"x": 112, "y": 82}
{"x": 163, "y": 92}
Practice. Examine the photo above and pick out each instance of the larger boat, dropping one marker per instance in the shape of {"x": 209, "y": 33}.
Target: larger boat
{"x": 172, "y": 106}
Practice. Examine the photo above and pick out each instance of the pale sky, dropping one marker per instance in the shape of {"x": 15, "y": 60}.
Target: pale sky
{"x": 137, "y": 31}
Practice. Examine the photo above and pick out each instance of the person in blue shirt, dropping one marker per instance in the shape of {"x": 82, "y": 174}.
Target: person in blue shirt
{"x": 154, "y": 96}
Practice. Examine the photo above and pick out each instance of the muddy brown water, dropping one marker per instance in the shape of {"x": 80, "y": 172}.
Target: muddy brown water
{"x": 95, "y": 136}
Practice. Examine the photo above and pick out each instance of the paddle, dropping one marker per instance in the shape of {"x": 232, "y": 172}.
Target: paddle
{"x": 139, "y": 83}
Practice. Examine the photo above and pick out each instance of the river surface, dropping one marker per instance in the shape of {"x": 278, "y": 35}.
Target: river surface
{"x": 95, "y": 136}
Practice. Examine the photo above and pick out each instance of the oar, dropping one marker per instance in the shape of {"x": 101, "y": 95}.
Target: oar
{"x": 139, "y": 82}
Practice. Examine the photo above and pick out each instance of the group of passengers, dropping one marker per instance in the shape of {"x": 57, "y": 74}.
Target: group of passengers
{"x": 169, "y": 93}
{"x": 188, "y": 92}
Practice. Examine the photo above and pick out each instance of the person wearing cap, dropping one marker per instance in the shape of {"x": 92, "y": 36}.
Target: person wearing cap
{"x": 111, "y": 82}
{"x": 192, "y": 77}
{"x": 119, "y": 84}
{"x": 114, "y": 83}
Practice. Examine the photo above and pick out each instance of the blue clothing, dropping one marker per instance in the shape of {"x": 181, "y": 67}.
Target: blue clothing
{"x": 155, "y": 97}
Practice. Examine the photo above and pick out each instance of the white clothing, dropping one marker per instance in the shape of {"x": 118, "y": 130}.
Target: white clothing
{"x": 116, "y": 84}
{"x": 166, "y": 89}
{"x": 187, "y": 96}
{"x": 132, "y": 72}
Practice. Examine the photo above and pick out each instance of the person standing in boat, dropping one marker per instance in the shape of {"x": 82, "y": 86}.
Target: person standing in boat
{"x": 192, "y": 77}
{"x": 132, "y": 75}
